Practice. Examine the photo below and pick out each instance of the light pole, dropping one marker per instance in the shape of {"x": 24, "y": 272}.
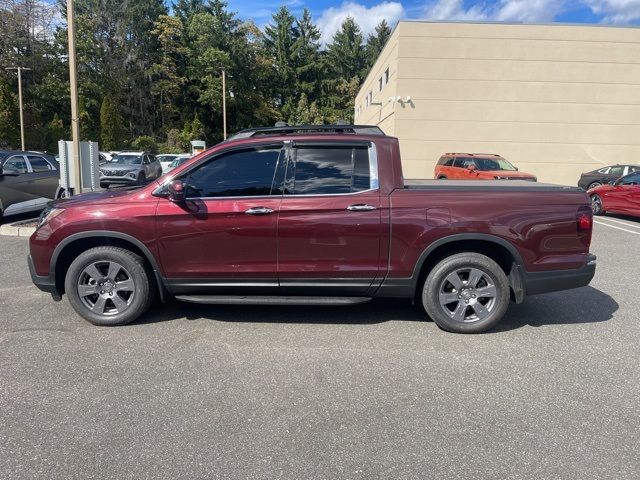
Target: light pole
{"x": 20, "y": 69}
{"x": 73, "y": 83}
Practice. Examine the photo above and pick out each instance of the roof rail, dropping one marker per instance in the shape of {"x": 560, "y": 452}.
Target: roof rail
{"x": 285, "y": 129}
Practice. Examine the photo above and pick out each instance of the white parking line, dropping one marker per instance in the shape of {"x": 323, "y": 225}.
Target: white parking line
{"x": 621, "y": 223}
{"x": 617, "y": 228}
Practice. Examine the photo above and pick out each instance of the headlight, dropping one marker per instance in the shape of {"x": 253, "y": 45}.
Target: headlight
{"x": 48, "y": 214}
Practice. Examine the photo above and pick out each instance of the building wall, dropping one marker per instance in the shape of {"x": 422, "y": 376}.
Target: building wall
{"x": 556, "y": 100}
{"x": 381, "y": 111}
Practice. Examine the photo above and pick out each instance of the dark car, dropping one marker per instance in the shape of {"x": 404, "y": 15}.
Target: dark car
{"x": 621, "y": 197}
{"x": 130, "y": 168}
{"x": 313, "y": 215}
{"x": 605, "y": 175}
{"x": 28, "y": 180}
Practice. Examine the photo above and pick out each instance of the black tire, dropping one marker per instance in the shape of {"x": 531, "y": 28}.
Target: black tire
{"x": 104, "y": 185}
{"x": 442, "y": 177}
{"x": 596, "y": 205}
{"x": 132, "y": 268}
{"x": 493, "y": 279}
{"x": 594, "y": 185}
{"x": 142, "y": 179}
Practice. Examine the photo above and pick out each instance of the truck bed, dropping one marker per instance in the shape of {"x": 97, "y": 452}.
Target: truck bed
{"x": 487, "y": 185}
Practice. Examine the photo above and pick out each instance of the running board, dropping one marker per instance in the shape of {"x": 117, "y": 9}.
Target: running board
{"x": 270, "y": 300}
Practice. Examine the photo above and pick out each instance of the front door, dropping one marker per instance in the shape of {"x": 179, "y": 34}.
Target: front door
{"x": 224, "y": 236}
{"x": 330, "y": 229}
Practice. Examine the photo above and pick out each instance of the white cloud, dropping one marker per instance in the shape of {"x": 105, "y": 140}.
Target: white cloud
{"x": 616, "y": 11}
{"x": 502, "y": 10}
{"x": 367, "y": 18}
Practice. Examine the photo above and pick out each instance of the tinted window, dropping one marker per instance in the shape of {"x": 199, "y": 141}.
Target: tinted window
{"x": 16, "y": 163}
{"x": 632, "y": 179}
{"x": 458, "y": 162}
{"x": 331, "y": 170}
{"x": 633, "y": 168}
{"x": 619, "y": 171}
{"x": 243, "y": 173}
{"x": 449, "y": 162}
{"x": 39, "y": 164}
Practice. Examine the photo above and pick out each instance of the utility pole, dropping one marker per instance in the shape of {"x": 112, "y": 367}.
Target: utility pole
{"x": 224, "y": 104}
{"x": 73, "y": 81}
{"x": 19, "y": 69}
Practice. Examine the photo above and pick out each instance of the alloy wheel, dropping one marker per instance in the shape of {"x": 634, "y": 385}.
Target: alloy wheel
{"x": 468, "y": 295}
{"x": 106, "y": 288}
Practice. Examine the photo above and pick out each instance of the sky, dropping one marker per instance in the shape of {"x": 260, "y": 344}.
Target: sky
{"x": 329, "y": 14}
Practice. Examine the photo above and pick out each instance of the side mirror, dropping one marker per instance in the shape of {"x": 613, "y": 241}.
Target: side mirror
{"x": 516, "y": 168}
{"x": 176, "y": 191}
{"x": 9, "y": 172}
{"x": 472, "y": 168}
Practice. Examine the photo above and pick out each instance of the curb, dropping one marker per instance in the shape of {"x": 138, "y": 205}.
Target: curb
{"x": 16, "y": 230}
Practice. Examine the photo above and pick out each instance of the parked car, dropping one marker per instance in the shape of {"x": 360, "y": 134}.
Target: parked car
{"x": 104, "y": 157}
{"x": 130, "y": 168}
{"x": 623, "y": 196}
{"x": 478, "y": 166}
{"x": 605, "y": 175}
{"x": 28, "y": 180}
{"x": 165, "y": 160}
{"x": 179, "y": 160}
{"x": 313, "y": 215}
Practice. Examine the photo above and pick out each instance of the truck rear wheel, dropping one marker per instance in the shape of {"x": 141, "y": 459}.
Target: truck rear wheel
{"x": 109, "y": 286}
{"x": 466, "y": 293}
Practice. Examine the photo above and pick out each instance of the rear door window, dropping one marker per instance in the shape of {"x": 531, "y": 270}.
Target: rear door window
{"x": 330, "y": 170}
{"x": 39, "y": 164}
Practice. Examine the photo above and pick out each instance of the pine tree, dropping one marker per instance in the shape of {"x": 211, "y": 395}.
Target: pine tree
{"x": 110, "y": 124}
{"x": 8, "y": 117}
{"x": 279, "y": 41}
{"x": 306, "y": 56}
{"x": 167, "y": 74}
{"x": 376, "y": 42}
{"x": 345, "y": 54}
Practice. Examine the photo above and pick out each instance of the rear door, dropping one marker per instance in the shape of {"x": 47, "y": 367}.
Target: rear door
{"x": 13, "y": 193}
{"x": 44, "y": 178}
{"x": 330, "y": 227}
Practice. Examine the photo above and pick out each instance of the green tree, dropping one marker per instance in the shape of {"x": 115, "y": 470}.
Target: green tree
{"x": 376, "y": 42}
{"x": 344, "y": 70}
{"x": 110, "y": 125}
{"x": 145, "y": 143}
{"x": 279, "y": 40}
{"x": 306, "y": 56}
{"x": 306, "y": 113}
{"x": 167, "y": 76}
{"x": 9, "y": 134}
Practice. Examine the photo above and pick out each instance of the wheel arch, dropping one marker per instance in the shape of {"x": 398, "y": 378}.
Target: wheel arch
{"x": 77, "y": 243}
{"x": 504, "y": 253}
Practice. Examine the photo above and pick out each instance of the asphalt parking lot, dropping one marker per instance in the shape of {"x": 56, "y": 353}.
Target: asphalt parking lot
{"x": 369, "y": 392}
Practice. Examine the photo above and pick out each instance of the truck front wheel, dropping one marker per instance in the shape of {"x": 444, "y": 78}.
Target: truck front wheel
{"x": 109, "y": 286}
{"x": 466, "y": 293}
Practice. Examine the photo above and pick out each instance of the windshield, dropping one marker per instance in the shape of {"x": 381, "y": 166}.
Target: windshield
{"x": 486, "y": 164}
{"x": 127, "y": 159}
{"x": 166, "y": 158}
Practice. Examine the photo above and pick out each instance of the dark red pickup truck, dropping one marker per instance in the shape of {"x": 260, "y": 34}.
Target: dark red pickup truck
{"x": 313, "y": 215}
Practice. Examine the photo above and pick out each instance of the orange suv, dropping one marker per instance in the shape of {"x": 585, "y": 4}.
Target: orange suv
{"x": 478, "y": 166}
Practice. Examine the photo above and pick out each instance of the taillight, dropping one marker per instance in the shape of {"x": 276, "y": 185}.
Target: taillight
{"x": 584, "y": 222}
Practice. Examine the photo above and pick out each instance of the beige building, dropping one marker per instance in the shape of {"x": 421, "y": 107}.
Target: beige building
{"x": 556, "y": 100}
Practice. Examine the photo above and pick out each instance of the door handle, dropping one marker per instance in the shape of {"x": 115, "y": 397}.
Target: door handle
{"x": 258, "y": 211}
{"x": 360, "y": 207}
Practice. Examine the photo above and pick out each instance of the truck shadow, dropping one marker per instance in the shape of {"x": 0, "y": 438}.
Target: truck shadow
{"x": 583, "y": 305}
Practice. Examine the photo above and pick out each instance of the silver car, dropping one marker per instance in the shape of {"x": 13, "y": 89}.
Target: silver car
{"x": 130, "y": 168}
